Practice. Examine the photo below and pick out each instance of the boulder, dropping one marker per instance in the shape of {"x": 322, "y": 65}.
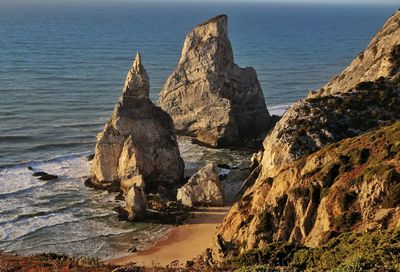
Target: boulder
{"x": 380, "y": 59}
{"x": 208, "y": 96}
{"x": 203, "y": 188}
{"x": 139, "y": 138}
{"x": 232, "y": 183}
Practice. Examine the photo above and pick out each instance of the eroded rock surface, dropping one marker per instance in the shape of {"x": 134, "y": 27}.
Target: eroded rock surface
{"x": 308, "y": 125}
{"x": 203, "y": 188}
{"x": 208, "y": 96}
{"x": 331, "y": 164}
{"x": 135, "y": 200}
{"x": 352, "y": 185}
{"x": 139, "y": 138}
{"x": 380, "y": 59}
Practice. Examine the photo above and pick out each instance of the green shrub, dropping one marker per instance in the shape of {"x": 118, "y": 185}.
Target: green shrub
{"x": 346, "y": 220}
{"x": 275, "y": 254}
{"x": 368, "y": 251}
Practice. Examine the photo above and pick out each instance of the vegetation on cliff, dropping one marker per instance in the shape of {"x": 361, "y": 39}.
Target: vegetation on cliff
{"x": 352, "y": 185}
{"x": 368, "y": 251}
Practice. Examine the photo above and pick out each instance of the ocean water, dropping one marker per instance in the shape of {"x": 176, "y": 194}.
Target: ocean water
{"x": 62, "y": 68}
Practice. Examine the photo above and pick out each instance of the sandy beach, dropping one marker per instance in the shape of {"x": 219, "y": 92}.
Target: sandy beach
{"x": 183, "y": 243}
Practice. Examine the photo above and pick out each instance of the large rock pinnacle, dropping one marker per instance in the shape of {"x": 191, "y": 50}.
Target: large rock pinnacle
{"x": 139, "y": 138}
{"x": 208, "y": 96}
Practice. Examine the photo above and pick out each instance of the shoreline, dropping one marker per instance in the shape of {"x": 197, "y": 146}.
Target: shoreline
{"x": 182, "y": 243}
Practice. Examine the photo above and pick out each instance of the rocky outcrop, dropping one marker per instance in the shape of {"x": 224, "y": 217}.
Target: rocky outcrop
{"x": 380, "y": 59}
{"x": 208, "y": 96}
{"x": 352, "y": 185}
{"x": 308, "y": 125}
{"x": 323, "y": 171}
{"x": 135, "y": 203}
{"x": 203, "y": 188}
{"x": 139, "y": 138}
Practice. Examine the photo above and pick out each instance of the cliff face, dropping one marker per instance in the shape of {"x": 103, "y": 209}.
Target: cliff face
{"x": 139, "y": 138}
{"x": 208, "y": 96}
{"x": 331, "y": 164}
{"x": 350, "y": 185}
{"x": 380, "y": 59}
{"x": 310, "y": 124}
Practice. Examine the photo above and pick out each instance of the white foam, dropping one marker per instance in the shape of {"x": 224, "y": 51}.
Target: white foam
{"x": 278, "y": 109}
{"x": 19, "y": 178}
{"x": 17, "y": 229}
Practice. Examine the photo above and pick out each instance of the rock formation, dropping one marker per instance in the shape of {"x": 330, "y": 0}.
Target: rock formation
{"x": 208, "y": 96}
{"x": 353, "y": 185}
{"x": 139, "y": 138}
{"x": 203, "y": 188}
{"x": 380, "y": 59}
{"x": 332, "y": 162}
{"x": 310, "y": 124}
{"x": 135, "y": 204}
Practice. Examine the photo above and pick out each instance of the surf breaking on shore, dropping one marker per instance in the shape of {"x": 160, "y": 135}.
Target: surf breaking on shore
{"x": 66, "y": 217}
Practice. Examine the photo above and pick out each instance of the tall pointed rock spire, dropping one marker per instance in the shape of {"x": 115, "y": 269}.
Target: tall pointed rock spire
{"x": 139, "y": 138}
{"x": 137, "y": 83}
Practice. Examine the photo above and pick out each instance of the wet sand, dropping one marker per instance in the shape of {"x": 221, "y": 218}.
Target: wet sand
{"x": 183, "y": 243}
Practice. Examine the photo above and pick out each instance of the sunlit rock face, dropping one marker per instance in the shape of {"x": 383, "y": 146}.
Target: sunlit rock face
{"x": 208, "y": 96}
{"x": 139, "y": 138}
{"x": 380, "y": 59}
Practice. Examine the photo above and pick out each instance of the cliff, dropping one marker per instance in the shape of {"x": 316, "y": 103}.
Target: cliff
{"x": 330, "y": 165}
{"x": 352, "y": 185}
{"x": 380, "y": 59}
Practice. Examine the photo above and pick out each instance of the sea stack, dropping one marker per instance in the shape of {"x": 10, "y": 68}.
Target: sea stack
{"x": 208, "y": 96}
{"x": 138, "y": 140}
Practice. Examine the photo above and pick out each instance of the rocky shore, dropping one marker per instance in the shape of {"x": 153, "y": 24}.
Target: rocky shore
{"x": 329, "y": 166}
{"x": 322, "y": 192}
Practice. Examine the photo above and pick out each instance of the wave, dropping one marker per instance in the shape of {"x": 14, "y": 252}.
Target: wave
{"x": 15, "y": 138}
{"x": 278, "y": 109}
{"x": 46, "y": 212}
{"x": 20, "y": 229}
{"x": 59, "y": 145}
{"x": 17, "y": 178}
{"x": 37, "y": 163}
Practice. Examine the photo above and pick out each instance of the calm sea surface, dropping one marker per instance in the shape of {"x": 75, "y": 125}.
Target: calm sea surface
{"x": 62, "y": 69}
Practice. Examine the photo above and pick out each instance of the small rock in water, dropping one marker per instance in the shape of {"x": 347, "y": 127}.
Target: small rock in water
{"x": 38, "y": 174}
{"x": 48, "y": 177}
{"x": 30, "y": 168}
{"x": 44, "y": 176}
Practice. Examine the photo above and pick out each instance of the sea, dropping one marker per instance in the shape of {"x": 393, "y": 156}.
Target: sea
{"x": 62, "y": 67}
